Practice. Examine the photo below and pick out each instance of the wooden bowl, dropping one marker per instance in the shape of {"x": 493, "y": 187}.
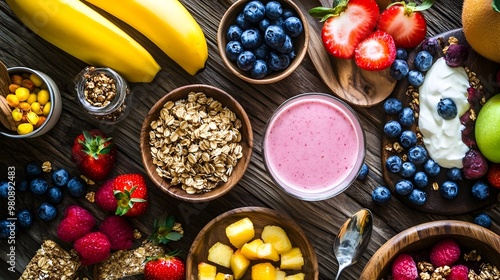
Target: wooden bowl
{"x": 300, "y": 43}
{"x": 423, "y": 236}
{"x": 246, "y": 142}
{"x": 214, "y": 232}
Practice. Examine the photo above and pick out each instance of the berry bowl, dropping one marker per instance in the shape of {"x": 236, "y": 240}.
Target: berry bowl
{"x": 237, "y": 233}
{"x": 423, "y": 242}
{"x": 35, "y": 108}
{"x": 252, "y": 50}
{"x": 196, "y": 143}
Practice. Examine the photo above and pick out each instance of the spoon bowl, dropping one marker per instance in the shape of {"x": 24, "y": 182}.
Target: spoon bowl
{"x": 352, "y": 239}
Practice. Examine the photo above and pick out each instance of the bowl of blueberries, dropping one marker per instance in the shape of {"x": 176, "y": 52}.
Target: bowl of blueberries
{"x": 262, "y": 42}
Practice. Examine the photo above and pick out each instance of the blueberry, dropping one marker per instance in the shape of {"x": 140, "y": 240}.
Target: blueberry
{"x": 393, "y": 106}
{"x": 401, "y": 54}
{"x": 287, "y": 46}
{"x": 33, "y": 170}
{"x": 277, "y": 62}
{"x": 22, "y": 186}
{"x": 245, "y": 60}
{"x": 54, "y": 195}
{"x": 254, "y": 11}
{"x": 259, "y": 69}
{"x": 417, "y": 197}
{"x": 420, "y": 180}
{"x": 392, "y": 129}
{"x": 6, "y": 228}
{"x": 449, "y": 190}
{"x": 39, "y": 186}
{"x": 363, "y": 172}
{"x": 264, "y": 24}
{"x": 431, "y": 167}
{"x": 251, "y": 38}
{"x": 454, "y": 174}
{"x": 278, "y": 22}
{"x": 242, "y": 22}
{"x": 261, "y": 51}
{"x": 233, "y": 50}
{"x": 483, "y": 220}
{"x": 423, "y": 61}
{"x": 408, "y": 139}
{"x": 288, "y": 13}
{"x": 46, "y": 212}
{"x": 408, "y": 169}
{"x": 393, "y": 164}
{"x": 403, "y": 187}
{"x": 233, "y": 32}
{"x": 480, "y": 190}
{"x": 381, "y": 195}
{"x": 292, "y": 54}
{"x": 24, "y": 218}
{"x": 60, "y": 177}
{"x": 415, "y": 78}
{"x": 274, "y": 36}
{"x": 4, "y": 189}
{"x": 399, "y": 69}
{"x": 293, "y": 26}
{"x": 447, "y": 108}
{"x": 417, "y": 154}
{"x": 273, "y": 10}
{"x": 406, "y": 117}
{"x": 76, "y": 187}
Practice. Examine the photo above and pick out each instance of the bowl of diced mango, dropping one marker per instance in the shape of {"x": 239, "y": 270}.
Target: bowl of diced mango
{"x": 252, "y": 243}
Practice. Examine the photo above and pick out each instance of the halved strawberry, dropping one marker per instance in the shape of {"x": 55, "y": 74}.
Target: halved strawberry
{"x": 405, "y": 22}
{"x": 376, "y": 52}
{"x": 346, "y": 24}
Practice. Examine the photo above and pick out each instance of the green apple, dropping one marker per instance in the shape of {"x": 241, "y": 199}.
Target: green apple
{"x": 488, "y": 129}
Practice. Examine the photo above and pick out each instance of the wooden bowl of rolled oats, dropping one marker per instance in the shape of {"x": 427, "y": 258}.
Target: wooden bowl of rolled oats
{"x": 196, "y": 143}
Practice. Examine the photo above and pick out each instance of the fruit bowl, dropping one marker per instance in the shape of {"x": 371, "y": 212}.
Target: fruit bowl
{"x": 215, "y": 231}
{"x": 300, "y": 43}
{"x": 423, "y": 236}
{"x": 189, "y": 139}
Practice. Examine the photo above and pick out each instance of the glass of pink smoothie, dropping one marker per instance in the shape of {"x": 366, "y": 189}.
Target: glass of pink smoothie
{"x": 313, "y": 146}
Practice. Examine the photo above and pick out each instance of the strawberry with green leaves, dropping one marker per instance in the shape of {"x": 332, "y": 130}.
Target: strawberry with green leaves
{"x": 164, "y": 267}
{"x": 94, "y": 154}
{"x": 346, "y": 24}
{"x": 166, "y": 229}
{"x": 405, "y": 22}
{"x": 131, "y": 194}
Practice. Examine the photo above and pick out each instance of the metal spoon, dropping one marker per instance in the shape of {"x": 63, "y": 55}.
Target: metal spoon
{"x": 352, "y": 239}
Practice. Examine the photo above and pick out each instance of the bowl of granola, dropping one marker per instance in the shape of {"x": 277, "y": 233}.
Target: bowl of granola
{"x": 196, "y": 143}
{"x": 437, "y": 249}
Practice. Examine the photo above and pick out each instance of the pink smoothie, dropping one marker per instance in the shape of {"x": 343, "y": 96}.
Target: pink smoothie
{"x": 314, "y": 144}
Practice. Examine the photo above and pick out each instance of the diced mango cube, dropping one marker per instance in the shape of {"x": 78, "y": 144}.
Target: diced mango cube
{"x": 292, "y": 260}
{"x": 239, "y": 264}
{"x": 222, "y": 276}
{"x": 240, "y": 232}
{"x": 277, "y": 237}
{"x": 266, "y": 251}
{"x": 206, "y": 271}
{"x": 298, "y": 276}
{"x": 263, "y": 271}
{"x": 280, "y": 274}
{"x": 250, "y": 249}
{"x": 220, "y": 254}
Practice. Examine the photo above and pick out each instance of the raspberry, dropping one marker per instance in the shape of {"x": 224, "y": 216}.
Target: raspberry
{"x": 76, "y": 223}
{"x": 92, "y": 248}
{"x": 404, "y": 268}
{"x": 104, "y": 197}
{"x": 119, "y": 232}
{"x": 445, "y": 252}
{"x": 458, "y": 272}
{"x": 493, "y": 175}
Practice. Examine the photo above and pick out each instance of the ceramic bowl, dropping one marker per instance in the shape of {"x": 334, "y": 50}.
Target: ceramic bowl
{"x": 246, "y": 143}
{"x": 55, "y": 100}
{"x": 300, "y": 43}
{"x": 214, "y": 232}
{"x": 422, "y": 237}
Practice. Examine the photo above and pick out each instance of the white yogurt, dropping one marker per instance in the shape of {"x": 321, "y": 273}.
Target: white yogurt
{"x": 443, "y": 138}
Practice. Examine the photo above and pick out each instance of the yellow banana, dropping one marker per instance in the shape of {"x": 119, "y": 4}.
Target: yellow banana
{"x": 82, "y": 32}
{"x": 168, "y": 24}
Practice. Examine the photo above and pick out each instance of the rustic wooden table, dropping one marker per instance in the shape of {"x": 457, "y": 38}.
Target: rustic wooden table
{"x": 320, "y": 220}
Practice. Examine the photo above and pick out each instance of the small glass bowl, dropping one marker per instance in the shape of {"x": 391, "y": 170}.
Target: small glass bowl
{"x": 297, "y": 147}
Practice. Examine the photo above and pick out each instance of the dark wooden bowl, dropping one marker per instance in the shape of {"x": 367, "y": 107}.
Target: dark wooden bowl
{"x": 423, "y": 236}
{"x": 214, "y": 231}
{"x": 246, "y": 142}
{"x": 301, "y": 42}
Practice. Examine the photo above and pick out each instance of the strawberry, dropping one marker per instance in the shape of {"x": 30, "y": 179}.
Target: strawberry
{"x": 405, "y": 22}
{"x": 94, "y": 154}
{"x": 346, "y": 24}
{"x": 493, "y": 175}
{"x": 166, "y": 267}
{"x": 131, "y": 194}
{"x": 376, "y": 52}
{"x": 104, "y": 197}
{"x": 93, "y": 248}
{"x": 77, "y": 222}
